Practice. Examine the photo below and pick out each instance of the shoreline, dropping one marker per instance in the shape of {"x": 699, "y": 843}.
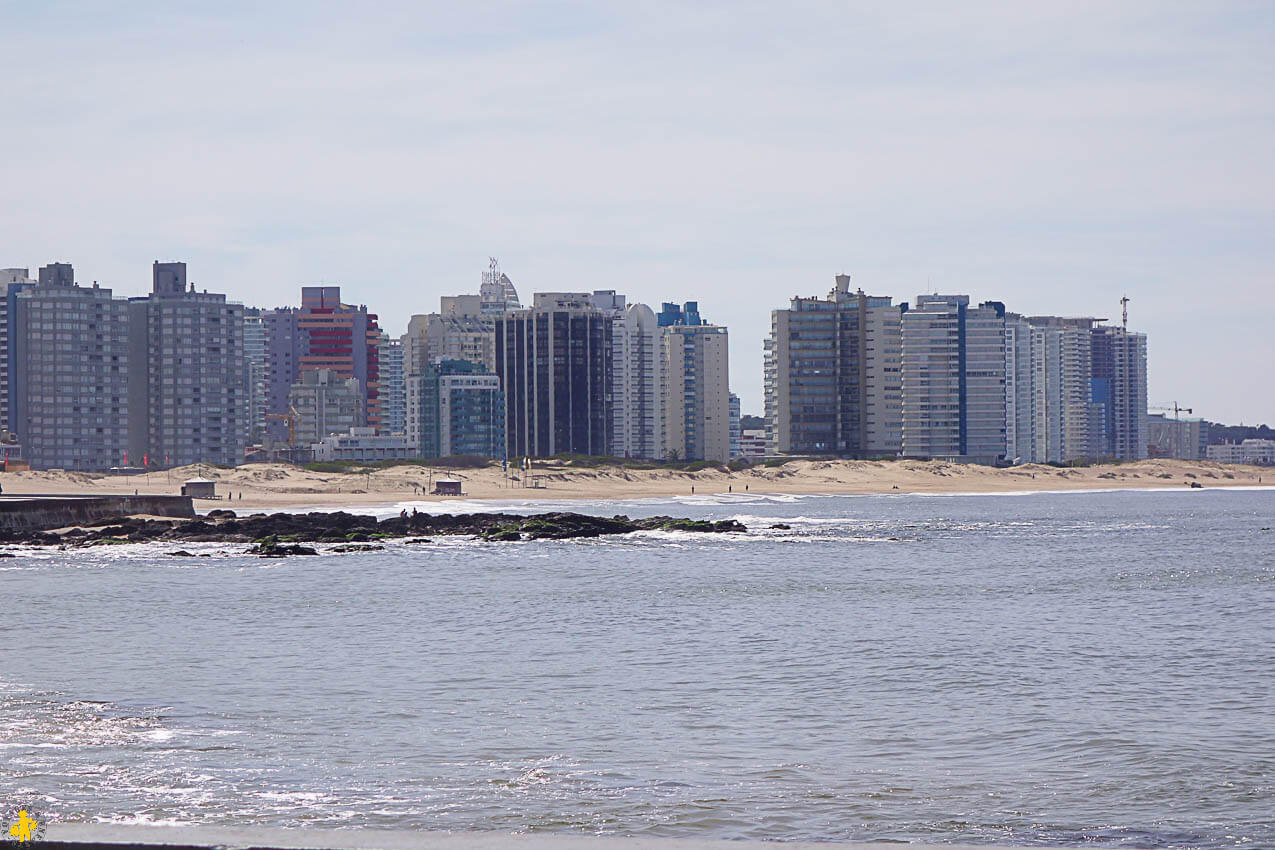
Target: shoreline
{"x": 280, "y": 487}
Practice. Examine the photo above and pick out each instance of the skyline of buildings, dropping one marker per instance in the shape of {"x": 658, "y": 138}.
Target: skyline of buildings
{"x": 849, "y": 375}
{"x": 951, "y": 381}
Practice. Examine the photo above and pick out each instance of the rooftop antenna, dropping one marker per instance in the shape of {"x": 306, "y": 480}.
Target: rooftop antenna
{"x": 1124, "y": 314}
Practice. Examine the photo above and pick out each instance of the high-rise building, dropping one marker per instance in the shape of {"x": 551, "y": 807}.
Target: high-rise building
{"x": 833, "y": 383}
{"x": 1019, "y": 390}
{"x": 554, "y": 362}
{"x": 393, "y": 388}
{"x": 71, "y": 373}
{"x": 187, "y": 381}
{"x": 12, "y": 281}
{"x": 343, "y": 339}
{"x": 1061, "y": 349}
{"x": 456, "y": 407}
{"x": 284, "y": 347}
{"x": 954, "y": 380}
{"x": 637, "y": 377}
{"x": 696, "y": 392}
{"x": 1119, "y": 393}
{"x": 736, "y": 430}
{"x": 254, "y": 352}
{"x": 459, "y": 331}
{"x": 325, "y": 403}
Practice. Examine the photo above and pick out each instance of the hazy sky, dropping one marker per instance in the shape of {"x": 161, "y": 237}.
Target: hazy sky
{"x": 1052, "y": 156}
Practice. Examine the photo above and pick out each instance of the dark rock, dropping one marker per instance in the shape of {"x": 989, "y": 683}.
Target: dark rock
{"x": 272, "y": 548}
{"x": 783, "y": 526}
{"x": 105, "y": 521}
{"x": 500, "y": 535}
{"x": 106, "y": 541}
{"x": 419, "y": 540}
{"x": 682, "y": 524}
{"x": 367, "y": 548}
{"x": 220, "y": 513}
{"x": 182, "y": 553}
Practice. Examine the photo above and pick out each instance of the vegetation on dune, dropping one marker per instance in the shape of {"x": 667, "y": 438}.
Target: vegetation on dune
{"x": 363, "y": 467}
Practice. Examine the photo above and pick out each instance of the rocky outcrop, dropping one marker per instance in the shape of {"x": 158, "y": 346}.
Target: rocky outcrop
{"x": 277, "y": 535}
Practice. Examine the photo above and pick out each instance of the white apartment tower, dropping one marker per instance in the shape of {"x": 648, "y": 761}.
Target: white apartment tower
{"x": 954, "y": 380}
{"x": 637, "y": 377}
{"x": 254, "y": 351}
{"x": 696, "y": 392}
{"x": 1019, "y": 384}
{"x": 1063, "y": 348}
{"x": 71, "y": 373}
{"x": 393, "y": 386}
{"x": 188, "y": 379}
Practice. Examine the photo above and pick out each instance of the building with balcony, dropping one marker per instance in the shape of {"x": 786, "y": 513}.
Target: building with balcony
{"x": 188, "y": 379}
{"x": 456, "y": 408}
{"x": 322, "y": 402}
{"x": 696, "y": 392}
{"x": 70, "y": 373}
{"x": 953, "y": 383}
{"x": 832, "y": 375}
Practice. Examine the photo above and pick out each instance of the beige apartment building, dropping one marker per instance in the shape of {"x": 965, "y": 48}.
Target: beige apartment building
{"x": 696, "y": 392}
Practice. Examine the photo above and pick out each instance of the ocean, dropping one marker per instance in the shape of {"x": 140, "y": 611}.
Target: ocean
{"x": 1093, "y": 668}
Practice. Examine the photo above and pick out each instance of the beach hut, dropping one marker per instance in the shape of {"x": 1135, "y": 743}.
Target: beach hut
{"x": 447, "y": 487}
{"x": 200, "y": 488}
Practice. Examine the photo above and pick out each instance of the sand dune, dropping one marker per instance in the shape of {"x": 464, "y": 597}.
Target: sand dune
{"x": 261, "y": 486}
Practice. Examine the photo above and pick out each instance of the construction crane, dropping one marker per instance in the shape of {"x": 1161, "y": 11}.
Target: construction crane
{"x": 291, "y": 418}
{"x": 1174, "y": 407}
{"x": 1177, "y": 450}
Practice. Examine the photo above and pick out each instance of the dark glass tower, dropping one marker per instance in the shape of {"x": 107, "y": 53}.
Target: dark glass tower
{"x": 554, "y": 363}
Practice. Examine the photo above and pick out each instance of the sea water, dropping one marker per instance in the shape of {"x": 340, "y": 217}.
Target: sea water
{"x": 1048, "y": 668}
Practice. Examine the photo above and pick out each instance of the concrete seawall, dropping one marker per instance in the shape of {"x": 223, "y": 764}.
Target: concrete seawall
{"x": 74, "y": 836}
{"x": 40, "y": 513}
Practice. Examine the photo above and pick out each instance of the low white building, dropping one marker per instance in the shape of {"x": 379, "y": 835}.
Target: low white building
{"x": 363, "y": 444}
{"x": 1249, "y": 451}
{"x": 752, "y": 443}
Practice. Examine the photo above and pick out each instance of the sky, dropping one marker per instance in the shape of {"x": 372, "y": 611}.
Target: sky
{"x": 1053, "y": 156}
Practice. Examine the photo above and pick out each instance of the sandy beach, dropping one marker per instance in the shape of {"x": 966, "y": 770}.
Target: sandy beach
{"x": 272, "y": 486}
